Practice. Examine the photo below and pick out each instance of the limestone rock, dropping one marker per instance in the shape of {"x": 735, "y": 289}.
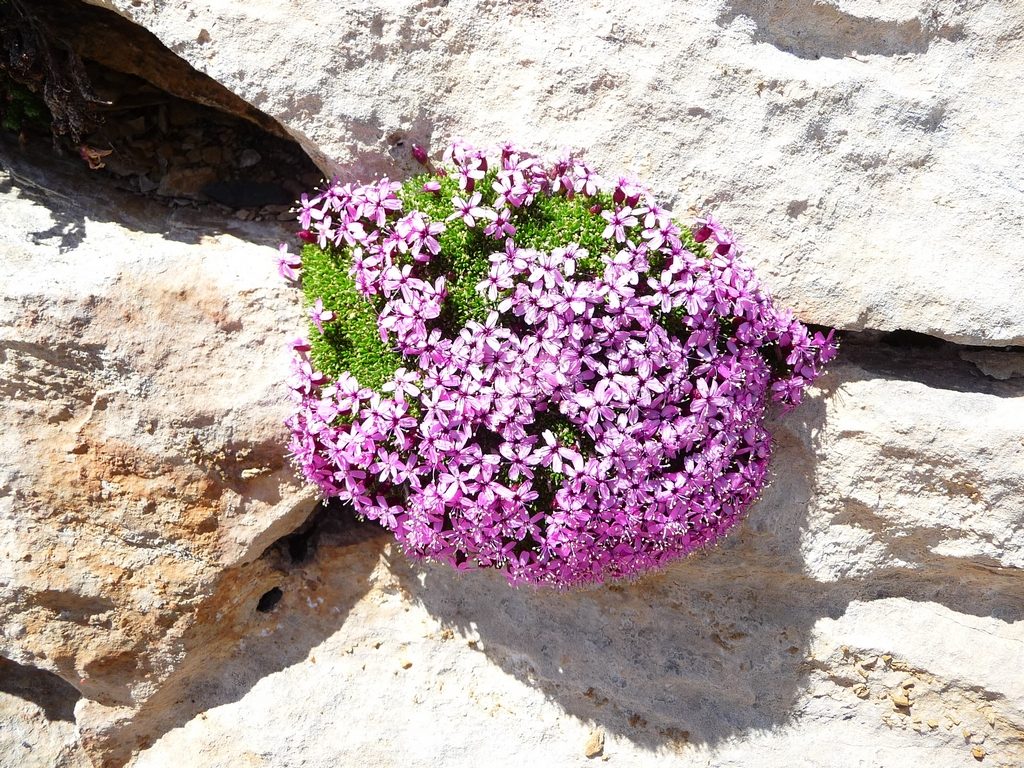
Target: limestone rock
{"x": 923, "y": 470}
{"x": 869, "y": 609}
{"x": 142, "y": 451}
{"x": 841, "y": 139}
{"x": 37, "y": 720}
{"x": 999, "y": 365}
{"x": 186, "y": 182}
{"x": 769, "y": 649}
{"x": 125, "y": 47}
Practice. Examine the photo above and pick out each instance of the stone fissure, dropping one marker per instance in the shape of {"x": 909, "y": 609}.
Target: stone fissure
{"x": 170, "y": 589}
{"x": 154, "y": 125}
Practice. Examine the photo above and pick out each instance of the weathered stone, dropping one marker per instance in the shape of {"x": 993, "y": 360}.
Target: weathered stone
{"x": 186, "y": 182}
{"x": 756, "y": 651}
{"x": 999, "y": 365}
{"x": 595, "y": 744}
{"x": 871, "y": 605}
{"x": 841, "y": 139}
{"x": 141, "y": 376}
{"x": 923, "y": 470}
{"x": 37, "y": 720}
{"x": 102, "y": 37}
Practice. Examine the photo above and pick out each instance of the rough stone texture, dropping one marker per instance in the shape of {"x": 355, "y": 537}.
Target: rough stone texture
{"x": 853, "y": 583}
{"x": 860, "y": 146}
{"x": 998, "y": 365}
{"x": 141, "y": 461}
{"x": 869, "y": 612}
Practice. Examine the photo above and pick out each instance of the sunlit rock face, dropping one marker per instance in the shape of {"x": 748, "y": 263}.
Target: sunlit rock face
{"x": 859, "y": 147}
{"x": 166, "y": 594}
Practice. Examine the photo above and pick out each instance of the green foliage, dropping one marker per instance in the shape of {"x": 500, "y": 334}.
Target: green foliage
{"x": 554, "y": 222}
{"x": 463, "y": 260}
{"x": 351, "y": 342}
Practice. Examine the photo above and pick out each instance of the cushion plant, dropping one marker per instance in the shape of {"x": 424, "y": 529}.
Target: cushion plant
{"x": 515, "y": 364}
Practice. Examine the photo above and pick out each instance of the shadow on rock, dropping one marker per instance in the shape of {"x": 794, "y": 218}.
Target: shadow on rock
{"x": 814, "y": 30}
{"x": 271, "y": 617}
{"x": 49, "y": 692}
{"x": 73, "y": 197}
{"x": 715, "y": 645}
{"x": 706, "y": 648}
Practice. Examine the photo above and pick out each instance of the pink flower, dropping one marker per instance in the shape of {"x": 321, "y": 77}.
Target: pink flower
{"x": 469, "y": 210}
{"x": 618, "y": 220}
{"x": 581, "y": 415}
{"x": 288, "y": 265}
{"x": 319, "y": 315}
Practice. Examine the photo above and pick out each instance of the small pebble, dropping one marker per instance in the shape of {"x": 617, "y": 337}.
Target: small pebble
{"x": 249, "y": 158}
{"x": 899, "y": 698}
{"x": 978, "y": 752}
{"x": 595, "y": 744}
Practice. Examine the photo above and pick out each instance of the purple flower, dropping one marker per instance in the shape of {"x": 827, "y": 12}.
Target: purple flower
{"x": 416, "y": 232}
{"x": 499, "y": 278}
{"x": 557, "y": 456}
{"x": 324, "y": 232}
{"x": 319, "y": 315}
{"x": 618, "y": 220}
{"x": 469, "y": 210}
{"x": 288, "y": 265}
{"x": 309, "y": 210}
{"x": 598, "y": 422}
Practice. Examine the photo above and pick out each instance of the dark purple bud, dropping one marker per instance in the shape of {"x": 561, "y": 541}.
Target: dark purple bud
{"x": 702, "y": 234}
{"x": 618, "y": 196}
{"x": 306, "y": 236}
{"x": 632, "y": 200}
{"x": 595, "y": 209}
{"x": 420, "y": 154}
{"x": 723, "y": 249}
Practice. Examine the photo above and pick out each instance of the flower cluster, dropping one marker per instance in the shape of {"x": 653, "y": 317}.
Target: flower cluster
{"x": 517, "y": 364}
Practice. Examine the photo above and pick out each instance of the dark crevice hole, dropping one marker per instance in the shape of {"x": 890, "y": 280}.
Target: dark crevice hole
{"x": 910, "y": 339}
{"x": 331, "y": 523}
{"x": 139, "y": 115}
{"x": 269, "y": 600}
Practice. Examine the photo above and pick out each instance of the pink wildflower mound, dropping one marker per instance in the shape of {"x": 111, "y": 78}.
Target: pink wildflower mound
{"x": 513, "y": 364}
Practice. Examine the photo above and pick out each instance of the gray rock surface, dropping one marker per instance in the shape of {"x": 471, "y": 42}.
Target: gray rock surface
{"x": 870, "y": 611}
{"x": 870, "y": 574}
{"x": 37, "y": 720}
{"x": 862, "y": 149}
{"x": 141, "y": 462}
